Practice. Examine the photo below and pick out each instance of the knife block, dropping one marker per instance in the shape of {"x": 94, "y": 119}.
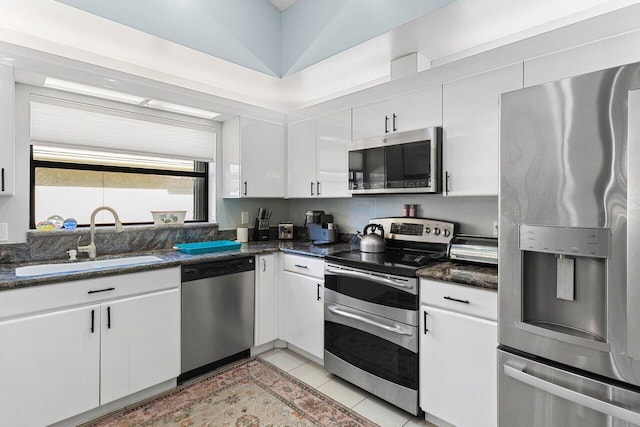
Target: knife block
{"x": 261, "y": 230}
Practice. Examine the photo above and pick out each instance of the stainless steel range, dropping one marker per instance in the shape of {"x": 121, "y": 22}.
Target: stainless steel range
{"x": 371, "y": 309}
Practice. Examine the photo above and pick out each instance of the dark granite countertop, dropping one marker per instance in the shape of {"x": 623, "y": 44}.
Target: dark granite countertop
{"x": 462, "y": 273}
{"x": 168, "y": 258}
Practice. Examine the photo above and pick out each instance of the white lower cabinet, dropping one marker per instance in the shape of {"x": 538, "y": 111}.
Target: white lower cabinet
{"x": 266, "y": 303}
{"x": 139, "y": 338}
{"x": 49, "y": 365}
{"x": 68, "y": 348}
{"x": 301, "y": 304}
{"x": 458, "y": 377}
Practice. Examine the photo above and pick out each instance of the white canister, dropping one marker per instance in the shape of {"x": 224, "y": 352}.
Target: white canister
{"x": 242, "y": 234}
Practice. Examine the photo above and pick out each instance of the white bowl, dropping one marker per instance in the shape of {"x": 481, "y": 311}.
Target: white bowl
{"x": 168, "y": 217}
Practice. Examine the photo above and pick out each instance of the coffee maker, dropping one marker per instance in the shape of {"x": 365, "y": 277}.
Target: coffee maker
{"x": 321, "y": 227}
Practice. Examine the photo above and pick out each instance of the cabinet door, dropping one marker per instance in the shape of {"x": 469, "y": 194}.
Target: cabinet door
{"x": 140, "y": 343}
{"x": 301, "y": 146}
{"x": 458, "y": 377}
{"x": 49, "y": 365}
{"x": 7, "y": 95}
{"x": 471, "y": 128}
{"x": 266, "y": 316}
{"x": 371, "y": 119}
{"x": 262, "y": 158}
{"x": 301, "y": 313}
{"x": 332, "y": 168}
{"x": 416, "y": 110}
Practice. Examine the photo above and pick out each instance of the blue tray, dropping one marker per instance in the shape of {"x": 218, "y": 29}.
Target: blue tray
{"x": 205, "y": 247}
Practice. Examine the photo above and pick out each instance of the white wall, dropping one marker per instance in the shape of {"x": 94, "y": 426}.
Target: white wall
{"x": 474, "y": 215}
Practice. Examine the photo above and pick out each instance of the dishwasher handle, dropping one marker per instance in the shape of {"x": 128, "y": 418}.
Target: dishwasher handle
{"x": 217, "y": 268}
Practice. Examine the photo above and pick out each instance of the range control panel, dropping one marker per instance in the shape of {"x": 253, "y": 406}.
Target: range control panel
{"x": 577, "y": 241}
{"x": 416, "y": 229}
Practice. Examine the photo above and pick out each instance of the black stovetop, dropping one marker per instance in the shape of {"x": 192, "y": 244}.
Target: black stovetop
{"x": 402, "y": 262}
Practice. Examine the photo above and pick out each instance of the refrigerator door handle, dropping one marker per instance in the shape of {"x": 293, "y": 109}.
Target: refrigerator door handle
{"x": 602, "y": 406}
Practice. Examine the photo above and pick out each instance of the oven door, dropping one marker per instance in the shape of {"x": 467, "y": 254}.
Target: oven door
{"x": 390, "y": 296}
{"x": 373, "y": 352}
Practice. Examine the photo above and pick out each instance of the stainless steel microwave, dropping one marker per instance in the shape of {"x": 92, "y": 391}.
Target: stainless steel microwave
{"x": 404, "y": 162}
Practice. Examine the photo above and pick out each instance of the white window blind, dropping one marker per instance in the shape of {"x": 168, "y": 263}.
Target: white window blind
{"x": 68, "y": 123}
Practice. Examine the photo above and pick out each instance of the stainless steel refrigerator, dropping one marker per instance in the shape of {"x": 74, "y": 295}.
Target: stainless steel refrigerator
{"x": 569, "y": 297}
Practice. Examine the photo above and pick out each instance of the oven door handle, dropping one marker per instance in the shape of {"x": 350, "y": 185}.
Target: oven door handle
{"x": 371, "y": 277}
{"x": 395, "y": 329}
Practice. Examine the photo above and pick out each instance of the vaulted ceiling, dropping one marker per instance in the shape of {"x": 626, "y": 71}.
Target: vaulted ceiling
{"x": 316, "y": 61}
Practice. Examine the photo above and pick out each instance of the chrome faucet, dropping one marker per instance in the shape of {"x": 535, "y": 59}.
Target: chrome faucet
{"x": 91, "y": 247}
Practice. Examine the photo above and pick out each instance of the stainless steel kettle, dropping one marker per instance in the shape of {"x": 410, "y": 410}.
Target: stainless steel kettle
{"x": 371, "y": 242}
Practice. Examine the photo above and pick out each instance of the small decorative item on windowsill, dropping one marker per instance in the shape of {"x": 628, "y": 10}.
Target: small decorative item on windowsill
{"x": 168, "y": 217}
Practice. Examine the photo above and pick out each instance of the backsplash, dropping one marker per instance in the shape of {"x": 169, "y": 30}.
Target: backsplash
{"x": 49, "y": 245}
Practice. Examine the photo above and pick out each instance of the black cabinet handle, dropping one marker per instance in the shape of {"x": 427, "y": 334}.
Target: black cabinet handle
{"x": 446, "y": 182}
{"x": 318, "y": 291}
{"x": 300, "y": 266}
{"x": 386, "y": 124}
{"x": 101, "y": 290}
{"x": 245, "y": 188}
{"x": 395, "y": 127}
{"x": 465, "y": 301}
{"x": 312, "y": 188}
{"x": 2, "y": 179}
{"x": 318, "y": 187}
{"x": 108, "y": 317}
{"x": 425, "y": 322}
{"x": 93, "y": 320}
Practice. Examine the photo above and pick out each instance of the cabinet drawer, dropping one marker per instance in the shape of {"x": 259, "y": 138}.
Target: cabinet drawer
{"x": 459, "y": 298}
{"x": 304, "y": 265}
{"x": 17, "y": 302}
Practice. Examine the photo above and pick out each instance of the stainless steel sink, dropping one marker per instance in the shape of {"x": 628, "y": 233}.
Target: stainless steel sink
{"x": 36, "y": 270}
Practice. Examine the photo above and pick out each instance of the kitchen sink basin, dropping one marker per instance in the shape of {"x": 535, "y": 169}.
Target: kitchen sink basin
{"x": 36, "y": 270}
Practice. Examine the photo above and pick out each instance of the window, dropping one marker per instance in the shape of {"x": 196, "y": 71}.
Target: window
{"x": 71, "y": 182}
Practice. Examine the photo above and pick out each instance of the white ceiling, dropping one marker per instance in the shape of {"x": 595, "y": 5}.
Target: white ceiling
{"x": 282, "y": 4}
{"x": 75, "y": 41}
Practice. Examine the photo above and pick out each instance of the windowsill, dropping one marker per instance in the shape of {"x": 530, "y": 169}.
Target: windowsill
{"x": 111, "y": 228}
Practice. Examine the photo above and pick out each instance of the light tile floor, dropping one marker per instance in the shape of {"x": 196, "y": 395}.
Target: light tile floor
{"x": 367, "y": 405}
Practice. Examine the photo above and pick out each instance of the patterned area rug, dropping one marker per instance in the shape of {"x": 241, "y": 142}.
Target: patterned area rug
{"x": 253, "y": 393}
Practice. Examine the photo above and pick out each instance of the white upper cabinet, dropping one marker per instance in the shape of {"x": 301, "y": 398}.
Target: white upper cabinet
{"x": 471, "y": 129}
{"x": 301, "y": 171}
{"x": 599, "y": 55}
{"x": 413, "y": 110}
{"x": 253, "y": 158}
{"x": 318, "y": 160}
{"x": 7, "y": 150}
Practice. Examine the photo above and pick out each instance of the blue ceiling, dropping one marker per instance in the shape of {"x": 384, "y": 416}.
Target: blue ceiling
{"x": 255, "y": 34}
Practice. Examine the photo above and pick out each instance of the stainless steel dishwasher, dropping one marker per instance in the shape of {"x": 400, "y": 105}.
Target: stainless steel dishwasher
{"x": 217, "y": 314}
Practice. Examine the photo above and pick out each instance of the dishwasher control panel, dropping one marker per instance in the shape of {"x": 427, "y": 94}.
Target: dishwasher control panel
{"x": 217, "y": 268}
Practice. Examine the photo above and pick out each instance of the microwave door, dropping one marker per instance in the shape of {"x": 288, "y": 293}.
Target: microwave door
{"x": 408, "y": 165}
{"x": 366, "y": 169}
